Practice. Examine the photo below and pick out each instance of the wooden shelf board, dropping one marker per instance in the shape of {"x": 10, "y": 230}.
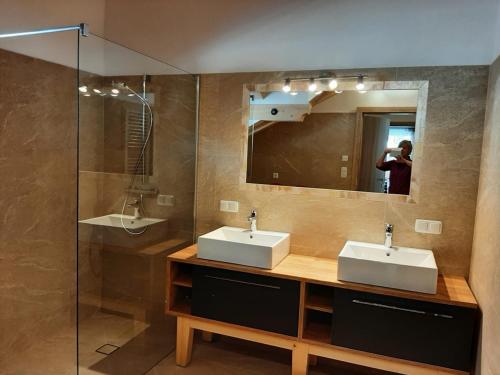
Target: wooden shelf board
{"x": 319, "y": 303}
{"x": 317, "y": 332}
{"x": 182, "y": 307}
{"x": 183, "y": 280}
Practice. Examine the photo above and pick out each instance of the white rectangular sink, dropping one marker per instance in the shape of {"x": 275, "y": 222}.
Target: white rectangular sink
{"x": 398, "y": 267}
{"x": 116, "y": 220}
{"x": 261, "y": 249}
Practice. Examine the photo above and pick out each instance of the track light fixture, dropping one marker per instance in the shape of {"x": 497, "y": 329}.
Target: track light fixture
{"x": 333, "y": 83}
{"x": 360, "y": 86}
{"x": 312, "y": 85}
{"x": 286, "y": 86}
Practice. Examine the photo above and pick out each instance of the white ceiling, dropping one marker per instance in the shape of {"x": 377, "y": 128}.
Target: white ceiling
{"x": 206, "y": 36}
{"x": 266, "y": 35}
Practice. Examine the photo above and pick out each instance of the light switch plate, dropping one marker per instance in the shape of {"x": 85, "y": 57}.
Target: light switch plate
{"x": 276, "y": 175}
{"x": 229, "y": 206}
{"x": 345, "y": 157}
{"x": 428, "y": 226}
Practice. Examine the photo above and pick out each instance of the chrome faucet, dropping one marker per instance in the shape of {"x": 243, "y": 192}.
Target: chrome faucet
{"x": 136, "y": 203}
{"x": 253, "y": 220}
{"x": 388, "y": 235}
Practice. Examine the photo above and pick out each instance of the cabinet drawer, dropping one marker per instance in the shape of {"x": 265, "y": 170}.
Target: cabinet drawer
{"x": 255, "y": 301}
{"x": 425, "y": 332}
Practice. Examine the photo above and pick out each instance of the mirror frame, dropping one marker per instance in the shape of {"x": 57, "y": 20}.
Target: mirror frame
{"x": 423, "y": 89}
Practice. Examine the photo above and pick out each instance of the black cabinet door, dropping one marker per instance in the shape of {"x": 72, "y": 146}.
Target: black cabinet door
{"x": 425, "y": 332}
{"x": 256, "y": 301}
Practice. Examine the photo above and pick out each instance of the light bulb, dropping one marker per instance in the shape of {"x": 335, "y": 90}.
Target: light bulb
{"x": 286, "y": 86}
{"x": 360, "y": 85}
{"x": 312, "y": 85}
{"x": 294, "y": 93}
{"x": 83, "y": 88}
{"x": 115, "y": 91}
{"x": 96, "y": 91}
{"x": 333, "y": 84}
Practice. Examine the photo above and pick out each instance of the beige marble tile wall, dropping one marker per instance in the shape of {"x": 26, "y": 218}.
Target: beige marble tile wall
{"x": 485, "y": 264}
{"x": 37, "y": 205}
{"x": 307, "y": 153}
{"x": 320, "y": 224}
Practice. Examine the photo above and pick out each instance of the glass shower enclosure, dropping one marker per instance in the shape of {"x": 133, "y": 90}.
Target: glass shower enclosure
{"x": 137, "y": 160}
{"x": 98, "y": 161}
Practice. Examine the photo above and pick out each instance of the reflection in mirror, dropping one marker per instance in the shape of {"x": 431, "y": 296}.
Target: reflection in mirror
{"x": 344, "y": 140}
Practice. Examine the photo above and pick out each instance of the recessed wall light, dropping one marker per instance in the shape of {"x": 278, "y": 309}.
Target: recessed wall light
{"x": 286, "y": 86}
{"x": 312, "y": 85}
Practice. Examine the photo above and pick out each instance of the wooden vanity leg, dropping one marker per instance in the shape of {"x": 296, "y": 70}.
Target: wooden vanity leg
{"x": 184, "y": 342}
{"x": 300, "y": 354}
{"x": 207, "y": 336}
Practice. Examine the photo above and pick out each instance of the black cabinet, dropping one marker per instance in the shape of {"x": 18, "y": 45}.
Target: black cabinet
{"x": 425, "y": 332}
{"x": 255, "y": 301}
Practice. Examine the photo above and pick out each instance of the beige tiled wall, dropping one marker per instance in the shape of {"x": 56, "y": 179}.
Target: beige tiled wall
{"x": 319, "y": 223}
{"x": 37, "y": 205}
{"x": 485, "y": 263}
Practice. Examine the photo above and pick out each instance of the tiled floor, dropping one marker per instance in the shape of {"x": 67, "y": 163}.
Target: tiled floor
{"x": 150, "y": 350}
{"x": 227, "y": 356}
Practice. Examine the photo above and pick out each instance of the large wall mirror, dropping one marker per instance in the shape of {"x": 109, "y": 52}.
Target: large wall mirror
{"x": 342, "y": 139}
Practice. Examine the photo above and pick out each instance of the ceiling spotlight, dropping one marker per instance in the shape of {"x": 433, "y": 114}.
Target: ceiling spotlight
{"x": 294, "y": 93}
{"x": 115, "y": 91}
{"x": 312, "y": 85}
{"x": 333, "y": 84}
{"x": 83, "y": 88}
{"x": 339, "y": 91}
{"x": 97, "y": 91}
{"x": 286, "y": 86}
{"x": 360, "y": 85}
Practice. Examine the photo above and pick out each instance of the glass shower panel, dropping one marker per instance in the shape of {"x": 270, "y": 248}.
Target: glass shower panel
{"x": 38, "y": 159}
{"x": 137, "y": 153}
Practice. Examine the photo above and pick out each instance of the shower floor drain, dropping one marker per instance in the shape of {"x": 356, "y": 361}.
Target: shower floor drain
{"x": 107, "y": 349}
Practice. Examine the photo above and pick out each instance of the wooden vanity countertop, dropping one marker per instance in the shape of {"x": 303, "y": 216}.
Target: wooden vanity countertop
{"x": 451, "y": 290}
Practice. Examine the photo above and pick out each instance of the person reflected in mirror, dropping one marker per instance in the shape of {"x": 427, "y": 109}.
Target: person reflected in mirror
{"x": 400, "y": 168}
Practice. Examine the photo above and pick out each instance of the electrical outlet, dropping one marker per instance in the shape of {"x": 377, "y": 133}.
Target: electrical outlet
{"x": 229, "y": 206}
{"x": 428, "y": 226}
{"x": 343, "y": 172}
{"x": 165, "y": 200}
